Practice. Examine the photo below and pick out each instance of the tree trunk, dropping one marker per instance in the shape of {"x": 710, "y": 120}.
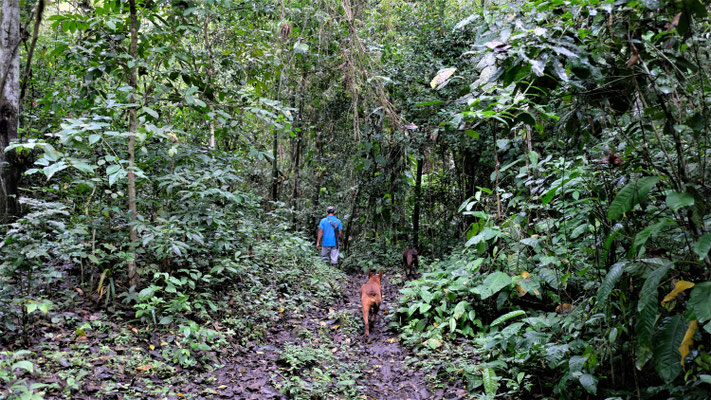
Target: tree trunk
{"x": 496, "y": 181}
{"x": 470, "y": 161}
{"x": 11, "y": 166}
{"x": 31, "y": 51}
{"x": 210, "y": 74}
{"x": 275, "y": 166}
{"x": 133, "y": 211}
{"x": 349, "y": 224}
{"x": 299, "y": 124}
{"x": 416, "y": 212}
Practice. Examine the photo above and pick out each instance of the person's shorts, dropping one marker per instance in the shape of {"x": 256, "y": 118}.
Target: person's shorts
{"x": 330, "y": 253}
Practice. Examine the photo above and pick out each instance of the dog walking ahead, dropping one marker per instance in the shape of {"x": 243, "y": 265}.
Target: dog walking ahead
{"x": 410, "y": 262}
{"x": 371, "y": 298}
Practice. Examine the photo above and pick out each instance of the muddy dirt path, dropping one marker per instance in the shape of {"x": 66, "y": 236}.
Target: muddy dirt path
{"x": 388, "y": 377}
{"x": 379, "y": 364}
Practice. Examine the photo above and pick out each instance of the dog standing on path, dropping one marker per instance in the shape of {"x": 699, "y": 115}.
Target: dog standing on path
{"x": 371, "y": 298}
{"x": 410, "y": 261}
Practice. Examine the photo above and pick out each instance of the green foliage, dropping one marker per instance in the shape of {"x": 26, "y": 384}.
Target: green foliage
{"x": 631, "y": 195}
{"x": 14, "y": 371}
{"x": 563, "y": 159}
{"x": 699, "y": 302}
{"x": 666, "y": 349}
{"x": 312, "y": 372}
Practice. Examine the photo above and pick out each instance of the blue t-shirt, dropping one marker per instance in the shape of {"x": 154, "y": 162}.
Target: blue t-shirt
{"x": 329, "y": 238}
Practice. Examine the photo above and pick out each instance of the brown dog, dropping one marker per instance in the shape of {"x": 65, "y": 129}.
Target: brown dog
{"x": 371, "y": 298}
{"x": 410, "y": 261}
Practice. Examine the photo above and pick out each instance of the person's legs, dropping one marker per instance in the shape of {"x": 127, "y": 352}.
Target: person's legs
{"x": 325, "y": 251}
{"x": 334, "y": 256}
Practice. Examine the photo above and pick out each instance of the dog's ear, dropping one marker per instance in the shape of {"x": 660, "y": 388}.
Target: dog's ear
{"x": 370, "y": 273}
{"x": 380, "y": 275}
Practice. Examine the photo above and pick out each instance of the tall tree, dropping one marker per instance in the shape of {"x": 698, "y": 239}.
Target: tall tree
{"x": 10, "y": 165}
{"x": 418, "y": 200}
{"x": 133, "y": 82}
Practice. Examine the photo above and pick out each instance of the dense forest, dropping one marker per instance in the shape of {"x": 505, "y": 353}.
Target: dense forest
{"x": 165, "y": 165}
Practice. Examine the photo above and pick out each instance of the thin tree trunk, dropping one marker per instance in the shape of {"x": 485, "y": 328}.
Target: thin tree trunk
{"x": 133, "y": 211}
{"x": 297, "y": 152}
{"x": 30, "y": 53}
{"x": 349, "y": 224}
{"x": 210, "y": 73}
{"x": 11, "y": 165}
{"x": 496, "y": 168}
{"x": 416, "y": 213}
{"x": 275, "y": 137}
{"x": 317, "y": 184}
{"x": 275, "y": 166}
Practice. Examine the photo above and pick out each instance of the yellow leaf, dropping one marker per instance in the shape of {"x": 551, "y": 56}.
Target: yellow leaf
{"x": 181, "y": 395}
{"x": 678, "y": 288}
{"x": 134, "y": 330}
{"x": 564, "y": 308}
{"x": 335, "y": 327}
{"x": 163, "y": 343}
{"x": 281, "y": 309}
{"x": 442, "y": 76}
{"x": 144, "y": 367}
{"x": 392, "y": 340}
{"x": 222, "y": 387}
{"x": 688, "y": 340}
{"x": 152, "y": 347}
{"x": 521, "y": 291}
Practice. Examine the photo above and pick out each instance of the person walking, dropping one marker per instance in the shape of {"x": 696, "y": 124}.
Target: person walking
{"x": 330, "y": 234}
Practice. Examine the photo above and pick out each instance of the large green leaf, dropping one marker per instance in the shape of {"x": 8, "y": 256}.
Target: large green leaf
{"x": 702, "y": 246}
{"x": 641, "y": 238}
{"x": 677, "y": 200}
{"x": 24, "y": 364}
{"x": 492, "y": 284}
{"x": 651, "y": 284}
{"x": 491, "y": 385}
{"x": 576, "y": 363}
{"x": 460, "y": 309}
{"x": 700, "y": 301}
{"x": 644, "y": 327}
{"x": 507, "y": 316}
{"x": 588, "y": 382}
{"x": 666, "y": 348}
{"x": 630, "y": 195}
{"x": 50, "y": 170}
{"x": 609, "y": 282}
